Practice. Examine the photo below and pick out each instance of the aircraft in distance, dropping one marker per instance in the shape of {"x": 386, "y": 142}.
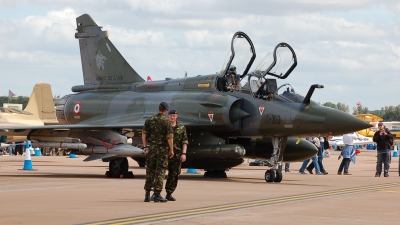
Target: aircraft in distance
{"x": 393, "y": 126}
{"x": 338, "y": 141}
{"x": 39, "y": 111}
{"x": 228, "y": 115}
{"x": 373, "y": 120}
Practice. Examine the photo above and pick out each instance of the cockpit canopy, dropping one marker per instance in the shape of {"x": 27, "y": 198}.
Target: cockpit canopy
{"x": 279, "y": 63}
{"x": 288, "y": 93}
{"x": 241, "y": 55}
{"x": 237, "y": 63}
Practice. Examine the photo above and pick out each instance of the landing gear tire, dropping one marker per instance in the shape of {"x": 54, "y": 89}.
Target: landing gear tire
{"x": 278, "y": 176}
{"x": 117, "y": 168}
{"x": 270, "y": 175}
{"x": 215, "y": 174}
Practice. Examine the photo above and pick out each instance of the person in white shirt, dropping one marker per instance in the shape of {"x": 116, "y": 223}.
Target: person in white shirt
{"x": 348, "y": 153}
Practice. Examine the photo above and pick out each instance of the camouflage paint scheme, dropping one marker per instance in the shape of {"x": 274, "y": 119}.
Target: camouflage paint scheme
{"x": 223, "y": 126}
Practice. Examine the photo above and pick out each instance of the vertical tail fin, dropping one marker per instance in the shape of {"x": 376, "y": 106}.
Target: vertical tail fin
{"x": 101, "y": 61}
{"x": 41, "y": 104}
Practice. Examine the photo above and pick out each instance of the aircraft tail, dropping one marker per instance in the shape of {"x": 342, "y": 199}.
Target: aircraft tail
{"x": 41, "y": 104}
{"x": 101, "y": 61}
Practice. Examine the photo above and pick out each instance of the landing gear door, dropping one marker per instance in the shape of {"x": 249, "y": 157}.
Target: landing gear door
{"x": 241, "y": 55}
{"x": 279, "y": 63}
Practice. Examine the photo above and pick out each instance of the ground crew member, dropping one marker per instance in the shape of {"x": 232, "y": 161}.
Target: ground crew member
{"x": 157, "y": 137}
{"x": 180, "y": 147}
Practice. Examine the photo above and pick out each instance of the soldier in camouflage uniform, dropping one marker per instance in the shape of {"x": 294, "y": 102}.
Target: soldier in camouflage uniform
{"x": 180, "y": 147}
{"x": 158, "y": 134}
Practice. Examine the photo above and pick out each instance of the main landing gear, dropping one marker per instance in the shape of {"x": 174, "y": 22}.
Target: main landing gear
{"x": 273, "y": 175}
{"x": 119, "y": 168}
{"x": 215, "y": 174}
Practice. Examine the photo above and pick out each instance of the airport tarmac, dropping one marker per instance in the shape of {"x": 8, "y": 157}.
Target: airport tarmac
{"x": 65, "y": 190}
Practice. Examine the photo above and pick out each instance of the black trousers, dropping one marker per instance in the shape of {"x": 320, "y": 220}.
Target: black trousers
{"x": 344, "y": 164}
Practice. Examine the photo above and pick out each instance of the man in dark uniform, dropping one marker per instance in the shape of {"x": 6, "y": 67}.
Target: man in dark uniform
{"x": 157, "y": 137}
{"x": 180, "y": 147}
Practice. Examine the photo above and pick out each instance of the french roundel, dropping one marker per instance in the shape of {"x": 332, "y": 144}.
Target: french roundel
{"x": 77, "y": 108}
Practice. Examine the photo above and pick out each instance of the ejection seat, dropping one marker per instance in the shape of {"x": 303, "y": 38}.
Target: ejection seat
{"x": 255, "y": 84}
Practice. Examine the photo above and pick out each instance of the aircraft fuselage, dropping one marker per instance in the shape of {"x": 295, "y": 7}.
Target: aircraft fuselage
{"x": 201, "y": 107}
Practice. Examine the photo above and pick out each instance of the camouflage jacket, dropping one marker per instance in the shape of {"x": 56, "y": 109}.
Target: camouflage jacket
{"x": 158, "y": 130}
{"x": 180, "y": 138}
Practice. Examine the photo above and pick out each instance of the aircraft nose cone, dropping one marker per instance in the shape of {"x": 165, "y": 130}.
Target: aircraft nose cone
{"x": 338, "y": 122}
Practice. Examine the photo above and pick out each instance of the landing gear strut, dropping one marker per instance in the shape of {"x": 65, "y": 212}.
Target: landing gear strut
{"x": 275, "y": 174}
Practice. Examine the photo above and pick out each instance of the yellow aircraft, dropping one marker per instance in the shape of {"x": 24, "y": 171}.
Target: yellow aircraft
{"x": 39, "y": 111}
{"x": 393, "y": 126}
{"x": 372, "y": 119}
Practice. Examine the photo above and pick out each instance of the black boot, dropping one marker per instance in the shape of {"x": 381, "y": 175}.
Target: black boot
{"x": 147, "y": 196}
{"x": 158, "y": 198}
{"x": 170, "y": 198}
{"x": 152, "y": 197}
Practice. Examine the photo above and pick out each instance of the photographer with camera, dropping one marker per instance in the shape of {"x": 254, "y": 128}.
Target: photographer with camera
{"x": 384, "y": 141}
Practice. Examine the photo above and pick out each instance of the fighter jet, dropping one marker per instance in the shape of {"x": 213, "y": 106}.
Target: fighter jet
{"x": 228, "y": 115}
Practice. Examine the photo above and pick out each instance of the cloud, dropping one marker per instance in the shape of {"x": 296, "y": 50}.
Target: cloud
{"x": 341, "y": 44}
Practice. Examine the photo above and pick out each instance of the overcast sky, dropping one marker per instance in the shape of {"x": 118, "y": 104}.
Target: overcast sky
{"x": 350, "y": 47}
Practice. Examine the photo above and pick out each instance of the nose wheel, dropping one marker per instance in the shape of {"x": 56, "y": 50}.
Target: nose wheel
{"x": 273, "y": 175}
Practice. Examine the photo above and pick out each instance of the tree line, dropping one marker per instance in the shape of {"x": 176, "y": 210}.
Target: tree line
{"x": 14, "y": 100}
{"x": 387, "y": 113}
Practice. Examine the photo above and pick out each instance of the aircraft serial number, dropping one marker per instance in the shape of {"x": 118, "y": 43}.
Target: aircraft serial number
{"x": 110, "y": 78}
{"x": 272, "y": 119}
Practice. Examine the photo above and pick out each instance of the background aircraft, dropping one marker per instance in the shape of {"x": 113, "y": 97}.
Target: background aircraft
{"x": 338, "y": 141}
{"x": 228, "y": 115}
{"x": 393, "y": 126}
{"x": 39, "y": 111}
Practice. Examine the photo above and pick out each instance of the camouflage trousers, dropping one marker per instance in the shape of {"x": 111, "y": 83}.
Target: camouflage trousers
{"x": 156, "y": 165}
{"x": 174, "y": 169}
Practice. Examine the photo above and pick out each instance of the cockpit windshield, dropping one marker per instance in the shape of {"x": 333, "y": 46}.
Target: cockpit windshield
{"x": 278, "y": 63}
{"x": 288, "y": 93}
